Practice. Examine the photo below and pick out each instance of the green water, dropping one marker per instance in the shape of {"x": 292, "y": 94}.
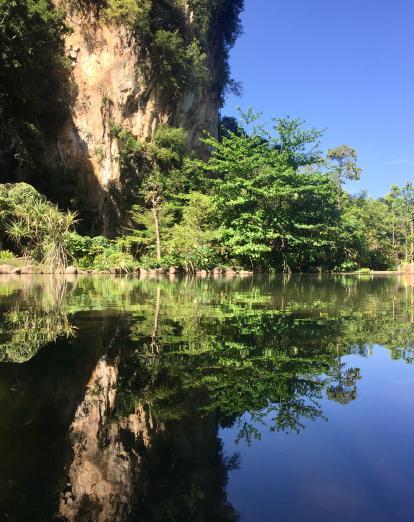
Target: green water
{"x": 253, "y": 399}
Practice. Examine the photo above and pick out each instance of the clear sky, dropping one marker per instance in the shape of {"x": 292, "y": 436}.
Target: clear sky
{"x": 347, "y": 66}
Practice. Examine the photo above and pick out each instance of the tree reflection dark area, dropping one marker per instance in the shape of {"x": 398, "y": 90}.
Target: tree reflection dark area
{"x": 135, "y": 377}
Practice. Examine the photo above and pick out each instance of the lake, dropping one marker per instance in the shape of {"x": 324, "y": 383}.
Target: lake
{"x": 266, "y": 398}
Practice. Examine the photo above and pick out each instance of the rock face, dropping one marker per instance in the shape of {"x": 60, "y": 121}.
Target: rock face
{"x": 106, "y": 87}
{"x": 102, "y": 472}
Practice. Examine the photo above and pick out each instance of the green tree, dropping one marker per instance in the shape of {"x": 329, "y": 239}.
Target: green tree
{"x": 344, "y": 160}
{"x": 400, "y": 202}
{"x": 192, "y": 238}
{"x": 365, "y": 237}
{"x": 158, "y": 169}
{"x": 274, "y": 208}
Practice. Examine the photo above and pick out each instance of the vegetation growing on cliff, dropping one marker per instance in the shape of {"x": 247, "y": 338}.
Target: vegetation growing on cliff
{"x": 179, "y": 42}
{"x": 32, "y": 71}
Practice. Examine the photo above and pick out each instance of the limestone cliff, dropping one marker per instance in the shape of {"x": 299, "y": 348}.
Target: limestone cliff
{"x": 107, "y": 87}
{"x": 102, "y": 473}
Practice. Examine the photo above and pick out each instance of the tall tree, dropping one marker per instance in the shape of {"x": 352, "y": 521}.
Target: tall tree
{"x": 344, "y": 160}
{"x": 271, "y": 209}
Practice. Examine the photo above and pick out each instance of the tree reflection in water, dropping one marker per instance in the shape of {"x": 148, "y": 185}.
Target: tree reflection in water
{"x": 159, "y": 365}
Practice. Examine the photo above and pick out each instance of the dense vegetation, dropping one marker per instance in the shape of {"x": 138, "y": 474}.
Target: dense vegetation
{"x": 33, "y": 93}
{"x": 265, "y": 199}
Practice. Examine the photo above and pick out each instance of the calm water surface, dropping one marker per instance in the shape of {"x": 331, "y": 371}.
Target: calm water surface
{"x": 258, "y": 399}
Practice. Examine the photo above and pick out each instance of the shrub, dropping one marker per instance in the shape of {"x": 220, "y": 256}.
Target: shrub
{"x": 149, "y": 262}
{"x": 6, "y": 254}
{"x": 114, "y": 259}
{"x": 38, "y": 229}
{"x": 99, "y": 253}
{"x": 78, "y": 246}
{"x": 347, "y": 266}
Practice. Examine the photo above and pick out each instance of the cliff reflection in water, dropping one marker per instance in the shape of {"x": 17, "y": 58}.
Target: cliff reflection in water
{"x": 124, "y": 383}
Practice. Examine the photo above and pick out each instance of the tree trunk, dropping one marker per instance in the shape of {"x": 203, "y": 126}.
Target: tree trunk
{"x": 154, "y": 335}
{"x": 157, "y": 227}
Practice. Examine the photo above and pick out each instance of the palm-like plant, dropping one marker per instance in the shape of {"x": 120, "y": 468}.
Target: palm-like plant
{"x": 40, "y": 230}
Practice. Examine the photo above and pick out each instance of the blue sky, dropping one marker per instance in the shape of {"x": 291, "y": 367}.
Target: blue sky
{"x": 347, "y": 66}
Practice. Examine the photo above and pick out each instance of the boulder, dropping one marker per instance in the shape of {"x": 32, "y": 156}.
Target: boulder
{"x": 16, "y": 270}
{"x": 6, "y": 269}
{"x": 71, "y": 270}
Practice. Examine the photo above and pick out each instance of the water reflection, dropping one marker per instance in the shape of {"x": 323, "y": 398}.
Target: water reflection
{"x": 123, "y": 383}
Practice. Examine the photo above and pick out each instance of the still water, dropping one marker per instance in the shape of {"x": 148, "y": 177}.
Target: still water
{"x": 260, "y": 399}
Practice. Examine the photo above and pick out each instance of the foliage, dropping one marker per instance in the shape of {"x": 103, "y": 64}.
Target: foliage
{"x": 218, "y": 21}
{"x": 270, "y": 210}
{"x": 37, "y": 228}
{"x": 347, "y": 266}
{"x": 174, "y": 46}
{"x": 344, "y": 159}
{"x": 32, "y": 76}
{"x": 141, "y": 237}
{"x": 99, "y": 253}
{"x": 6, "y": 254}
{"x": 159, "y": 169}
{"x": 400, "y": 222}
{"x": 192, "y": 238}
{"x": 265, "y": 198}
{"x": 130, "y": 149}
{"x": 129, "y": 12}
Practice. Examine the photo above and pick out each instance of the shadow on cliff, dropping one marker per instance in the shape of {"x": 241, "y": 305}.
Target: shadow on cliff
{"x": 60, "y": 165}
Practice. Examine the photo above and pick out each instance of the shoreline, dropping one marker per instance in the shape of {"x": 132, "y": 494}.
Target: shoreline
{"x": 142, "y": 273}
